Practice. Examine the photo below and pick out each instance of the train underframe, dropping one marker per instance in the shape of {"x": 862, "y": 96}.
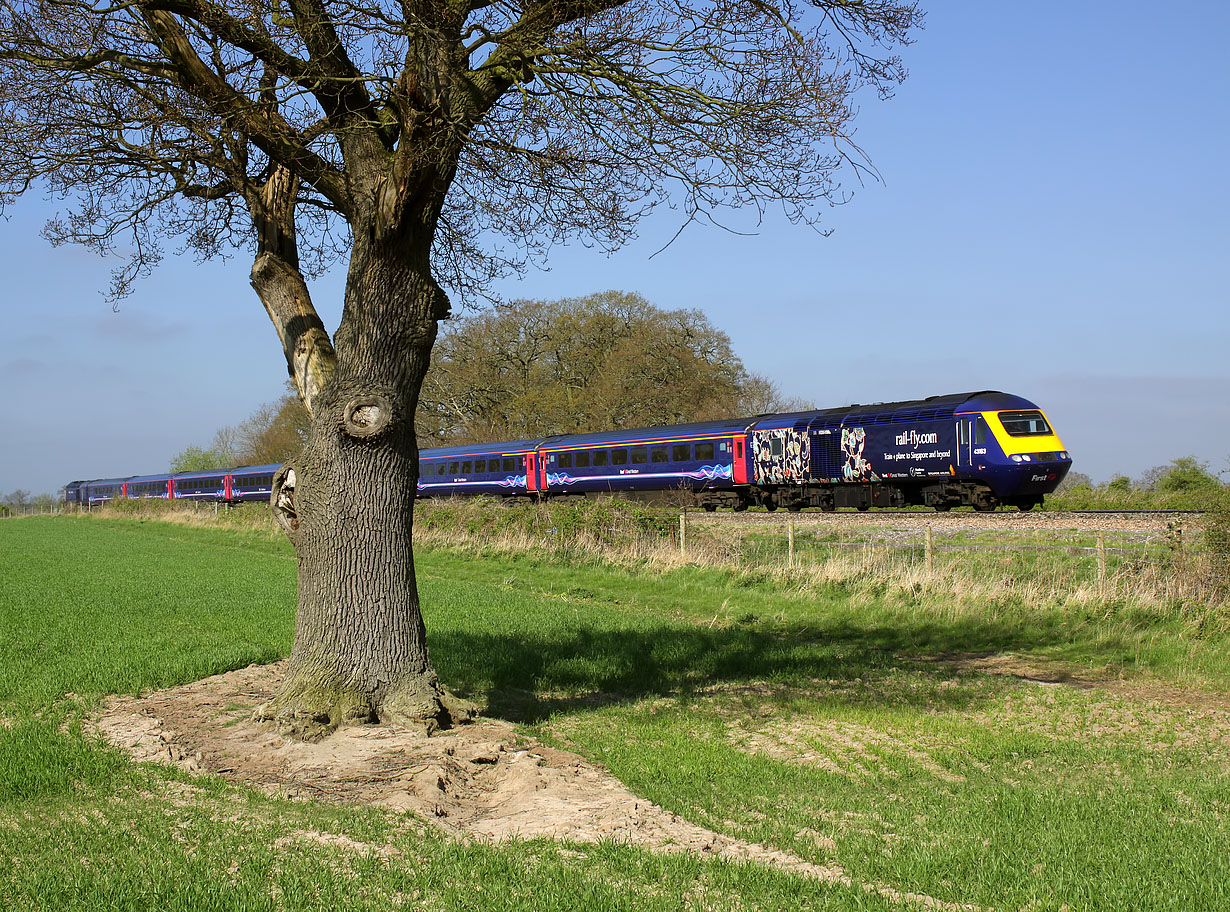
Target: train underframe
{"x": 941, "y": 496}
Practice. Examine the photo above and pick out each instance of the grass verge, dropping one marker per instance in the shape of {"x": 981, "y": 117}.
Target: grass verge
{"x": 811, "y": 718}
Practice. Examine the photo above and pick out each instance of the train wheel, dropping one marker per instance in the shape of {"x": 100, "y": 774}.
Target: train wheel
{"x": 770, "y": 505}
{"x": 983, "y": 507}
{"x": 1025, "y": 507}
{"x": 864, "y": 507}
{"x": 709, "y": 507}
{"x": 794, "y": 507}
{"x": 942, "y": 507}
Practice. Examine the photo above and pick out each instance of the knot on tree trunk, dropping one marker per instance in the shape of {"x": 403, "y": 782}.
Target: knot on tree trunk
{"x": 367, "y": 416}
{"x": 283, "y": 500}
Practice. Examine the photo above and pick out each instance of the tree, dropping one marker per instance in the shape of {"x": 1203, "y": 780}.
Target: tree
{"x": 438, "y": 143}
{"x": 198, "y": 459}
{"x": 1074, "y": 480}
{"x": 275, "y": 432}
{"x": 17, "y": 500}
{"x": 604, "y": 361}
{"x": 1187, "y": 475}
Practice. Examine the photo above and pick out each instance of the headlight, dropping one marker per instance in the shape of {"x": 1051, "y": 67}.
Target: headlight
{"x": 1063, "y": 454}
{"x": 1025, "y": 458}
{"x": 1015, "y": 457}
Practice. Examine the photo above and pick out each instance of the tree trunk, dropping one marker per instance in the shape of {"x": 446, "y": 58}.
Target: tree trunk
{"x": 347, "y": 503}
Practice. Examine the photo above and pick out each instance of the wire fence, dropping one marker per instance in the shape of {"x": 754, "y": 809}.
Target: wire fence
{"x": 1077, "y": 555}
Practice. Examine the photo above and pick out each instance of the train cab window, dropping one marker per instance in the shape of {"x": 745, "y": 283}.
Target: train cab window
{"x": 619, "y": 457}
{"x": 776, "y": 446}
{"x": 602, "y": 457}
{"x": 583, "y": 460}
{"x": 681, "y": 452}
{"x": 1028, "y": 423}
{"x": 659, "y": 454}
{"x": 704, "y": 450}
{"x": 453, "y": 467}
{"x": 467, "y": 467}
{"x": 508, "y": 464}
{"x": 980, "y": 431}
{"x": 565, "y": 460}
{"x": 640, "y": 456}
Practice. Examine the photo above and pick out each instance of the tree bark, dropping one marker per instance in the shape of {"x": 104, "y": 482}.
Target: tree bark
{"x": 347, "y": 503}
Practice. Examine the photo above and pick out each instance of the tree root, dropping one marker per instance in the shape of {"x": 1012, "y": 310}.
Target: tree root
{"x": 305, "y": 710}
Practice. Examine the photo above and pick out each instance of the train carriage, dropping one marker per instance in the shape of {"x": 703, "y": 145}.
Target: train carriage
{"x": 983, "y": 450}
{"x": 250, "y": 483}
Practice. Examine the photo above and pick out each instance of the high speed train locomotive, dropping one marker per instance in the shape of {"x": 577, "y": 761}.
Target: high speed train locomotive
{"x": 983, "y": 450}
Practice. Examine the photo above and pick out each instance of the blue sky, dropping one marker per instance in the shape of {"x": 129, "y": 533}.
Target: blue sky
{"x": 1053, "y": 220}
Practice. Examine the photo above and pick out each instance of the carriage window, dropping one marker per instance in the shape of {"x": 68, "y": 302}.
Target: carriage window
{"x": 640, "y": 456}
{"x": 601, "y": 457}
{"x": 565, "y": 460}
{"x": 658, "y": 454}
{"x": 480, "y": 466}
{"x": 619, "y": 457}
{"x": 509, "y": 464}
{"x": 1025, "y": 423}
{"x": 704, "y": 450}
{"x": 583, "y": 460}
{"x": 453, "y": 467}
{"x": 775, "y": 446}
{"x": 681, "y": 452}
{"x": 466, "y": 467}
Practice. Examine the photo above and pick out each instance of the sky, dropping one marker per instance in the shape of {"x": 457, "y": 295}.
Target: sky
{"x": 1052, "y": 219}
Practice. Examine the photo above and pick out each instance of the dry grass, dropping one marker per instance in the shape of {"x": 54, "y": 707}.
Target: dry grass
{"x": 1188, "y": 587}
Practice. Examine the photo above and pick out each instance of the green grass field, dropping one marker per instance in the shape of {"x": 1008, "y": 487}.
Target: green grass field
{"x": 818, "y": 722}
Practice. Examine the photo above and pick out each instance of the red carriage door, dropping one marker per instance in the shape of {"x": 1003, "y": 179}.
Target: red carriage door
{"x": 738, "y": 447}
{"x": 531, "y": 471}
{"x": 226, "y": 487}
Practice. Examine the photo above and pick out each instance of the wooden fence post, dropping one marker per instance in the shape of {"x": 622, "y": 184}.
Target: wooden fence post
{"x": 790, "y": 543}
{"x": 927, "y": 551}
{"x": 683, "y": 534}
{"x": 1101, "y": 562}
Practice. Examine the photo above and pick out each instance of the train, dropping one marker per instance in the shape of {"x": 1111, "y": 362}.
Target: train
{"x": 983, "y": 450}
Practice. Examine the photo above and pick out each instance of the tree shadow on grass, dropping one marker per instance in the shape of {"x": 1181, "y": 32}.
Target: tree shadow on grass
{"x": 527, "y": 679}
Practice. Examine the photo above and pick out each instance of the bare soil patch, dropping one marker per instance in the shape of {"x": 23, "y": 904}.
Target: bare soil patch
{"x": 480, "y": 780}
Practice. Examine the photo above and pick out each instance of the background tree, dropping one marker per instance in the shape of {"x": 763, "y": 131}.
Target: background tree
{"x": 604, "y": 361}
{"x": 275, "y": 432}
{"x": 17, "y": 500}
{"x": 411, "y": 134}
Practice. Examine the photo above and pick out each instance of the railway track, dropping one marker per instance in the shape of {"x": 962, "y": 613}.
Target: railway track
{"x": 1124, "y": 520}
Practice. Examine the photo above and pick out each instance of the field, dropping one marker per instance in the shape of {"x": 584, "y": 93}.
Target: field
{"x": 1017, "y": 753}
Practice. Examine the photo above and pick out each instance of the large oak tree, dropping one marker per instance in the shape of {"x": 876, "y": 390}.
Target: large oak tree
{"x": 436, "y": 143}
{"x": 605, "y": 361}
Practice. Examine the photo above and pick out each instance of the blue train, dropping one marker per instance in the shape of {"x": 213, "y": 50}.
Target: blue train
{"x": 982, "y": 450}
{"x": 224, "y": 485}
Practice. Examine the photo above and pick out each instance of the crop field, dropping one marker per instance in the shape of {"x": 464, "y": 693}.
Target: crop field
{"x": 1015, "y": 753}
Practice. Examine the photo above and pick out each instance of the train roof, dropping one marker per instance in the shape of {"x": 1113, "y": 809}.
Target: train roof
{"x": 99, "y": 481}
{"x": 905, "y": 410}
{"x": 139, "y": 479}
{"x": 209, "y": 473}
{"x": 269, "y": 468}
{"x": 911, "y": 409}
{"x": 630, "y": 436}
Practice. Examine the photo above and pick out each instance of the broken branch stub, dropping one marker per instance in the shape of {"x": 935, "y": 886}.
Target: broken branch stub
{"x": 367, "y": 416}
